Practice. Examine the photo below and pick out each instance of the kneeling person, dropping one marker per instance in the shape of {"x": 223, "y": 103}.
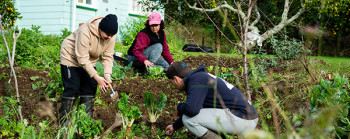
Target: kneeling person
{"x": 202, "y": 113}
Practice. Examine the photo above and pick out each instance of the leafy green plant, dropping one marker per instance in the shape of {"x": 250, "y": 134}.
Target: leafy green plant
{"x": 129, "y": 113}
{"x": 9, "y": 123}
{"x": 81, "y": 125}
{"x": 335, "y": 93}
{"x": 38, "y": 85}
{"x": 155, "y": 72}
{"x": 119, "y": 71}
{"x": 154, "y": 107}
{"x": 288, "y": 48}
{"x": 3, "y": 75}
{"x": 210, "y": 68}
{"x": 34, "y": 49}
{"x": 10, "y": 127}
{"x": 55, "y": 86}
{"x": 262, "y": 61}
{"x": 99, "y": 68}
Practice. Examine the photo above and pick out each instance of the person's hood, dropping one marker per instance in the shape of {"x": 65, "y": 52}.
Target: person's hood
{"x": 201, "y": 68}
{"x": 93, "y": 24}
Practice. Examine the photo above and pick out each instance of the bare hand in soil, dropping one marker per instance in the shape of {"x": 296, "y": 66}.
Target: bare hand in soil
{"x": 169, "y": 130}
{"x": 102, "y": 83}
{"x": 148, "y": 64}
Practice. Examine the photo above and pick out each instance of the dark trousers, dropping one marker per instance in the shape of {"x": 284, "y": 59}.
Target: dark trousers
{"x": 77, "y": 82}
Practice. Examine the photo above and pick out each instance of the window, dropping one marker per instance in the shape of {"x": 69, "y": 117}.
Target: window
{"x": 87, "y": 3}
{"x": 136, "y": 8}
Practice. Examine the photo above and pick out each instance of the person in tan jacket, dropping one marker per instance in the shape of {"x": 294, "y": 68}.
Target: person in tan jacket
{"x": 93, "y": 41}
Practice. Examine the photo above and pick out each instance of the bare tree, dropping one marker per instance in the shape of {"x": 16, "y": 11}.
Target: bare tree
{"x": 249, "y": 32}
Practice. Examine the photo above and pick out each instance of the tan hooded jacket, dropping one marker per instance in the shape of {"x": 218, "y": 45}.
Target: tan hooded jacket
{"x": 85, "y": 46}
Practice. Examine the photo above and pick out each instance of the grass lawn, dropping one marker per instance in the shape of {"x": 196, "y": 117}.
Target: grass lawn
{"x": 336, "y": 64}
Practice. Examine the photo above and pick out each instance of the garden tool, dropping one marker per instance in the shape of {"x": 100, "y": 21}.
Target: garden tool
{"x": 114, "y": 95}
{"x": 12, "y": 60}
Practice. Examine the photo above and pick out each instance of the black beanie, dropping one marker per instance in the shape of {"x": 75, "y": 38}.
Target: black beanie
{"x": 109, "y": 24}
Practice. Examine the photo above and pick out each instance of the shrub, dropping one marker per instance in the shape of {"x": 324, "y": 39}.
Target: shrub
{"x": 81, "y": 125}
{"x": 336, "y": 93}
{"x": 287, "y": 49}
{"x": 34, "y": 49}
{"x": 129, "y": 31}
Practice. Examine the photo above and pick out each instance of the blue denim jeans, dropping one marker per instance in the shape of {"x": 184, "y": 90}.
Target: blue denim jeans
{"x": 153, "y": 54}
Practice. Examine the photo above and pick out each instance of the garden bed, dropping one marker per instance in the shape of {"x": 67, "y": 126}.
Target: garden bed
{"x": 134, "y": 86}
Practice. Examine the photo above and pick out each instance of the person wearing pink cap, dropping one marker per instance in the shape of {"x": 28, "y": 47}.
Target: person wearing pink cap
{"x": 150, "y": 47}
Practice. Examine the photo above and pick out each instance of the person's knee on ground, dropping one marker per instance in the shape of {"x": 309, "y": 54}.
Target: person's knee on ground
{"x": 153, "y": 52}
{"x": 163, "y": 64}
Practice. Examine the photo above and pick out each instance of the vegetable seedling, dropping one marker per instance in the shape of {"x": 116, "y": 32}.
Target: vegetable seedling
{"x": 129, "y": 113}
{"x": 154, "y": 107}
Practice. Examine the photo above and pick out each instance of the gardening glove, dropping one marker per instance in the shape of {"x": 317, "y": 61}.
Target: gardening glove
{"x": 102, "y": 83}
{"x": 108, "y": 77}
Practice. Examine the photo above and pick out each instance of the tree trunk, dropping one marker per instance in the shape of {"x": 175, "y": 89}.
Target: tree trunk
{"x": 217, "y": 41}
{"x": 339, "y": 38}
{"x": 245, "y": 74}
{"x": 320, "y": 46}
{"x": 202, "y": 40}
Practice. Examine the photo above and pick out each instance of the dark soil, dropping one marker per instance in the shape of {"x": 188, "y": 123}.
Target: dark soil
{"x": 135, "y": 86}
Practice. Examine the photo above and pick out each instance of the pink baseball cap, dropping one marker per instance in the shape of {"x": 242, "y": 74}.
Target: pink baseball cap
{"x": 154, "y": 18}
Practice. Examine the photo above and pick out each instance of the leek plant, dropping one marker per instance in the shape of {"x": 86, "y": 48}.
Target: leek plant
{"x": 154, "y": 107}
{"x": 129, "y": 113}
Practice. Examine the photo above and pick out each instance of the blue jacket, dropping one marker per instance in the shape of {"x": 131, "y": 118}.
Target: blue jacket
{"x": 199, "y": 86}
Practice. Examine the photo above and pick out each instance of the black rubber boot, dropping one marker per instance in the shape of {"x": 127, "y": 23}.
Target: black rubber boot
{"x": 89, "y": 103}
{"x": 66, "y": 106}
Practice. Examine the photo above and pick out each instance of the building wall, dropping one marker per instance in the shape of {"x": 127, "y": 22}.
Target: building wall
{"x": 105, "y": 7}
{"x": 54, "y": 15}
{"x": 50, "y": 15}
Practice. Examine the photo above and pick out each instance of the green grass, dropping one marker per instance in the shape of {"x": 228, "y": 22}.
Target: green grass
{"x": 335, "y": 64}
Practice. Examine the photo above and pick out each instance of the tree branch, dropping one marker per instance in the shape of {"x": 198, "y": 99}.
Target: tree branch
{"x": 225, "y": 5}
{"x": 258, "y": 16}
{"x": 282, "y": 24}
{"x": 285, "y": 11}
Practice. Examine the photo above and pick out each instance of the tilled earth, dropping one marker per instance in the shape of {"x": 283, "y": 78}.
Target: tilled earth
{"x": 33, "y": 100}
